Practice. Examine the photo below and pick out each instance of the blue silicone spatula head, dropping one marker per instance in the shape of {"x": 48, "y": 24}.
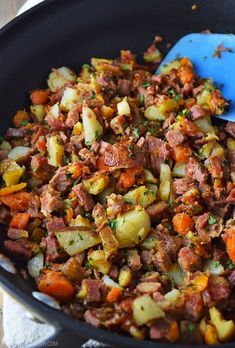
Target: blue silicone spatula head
{"x": 199, "y": 48}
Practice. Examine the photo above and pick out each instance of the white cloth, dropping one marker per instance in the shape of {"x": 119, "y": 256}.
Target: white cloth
{"x": 20, "y": 331}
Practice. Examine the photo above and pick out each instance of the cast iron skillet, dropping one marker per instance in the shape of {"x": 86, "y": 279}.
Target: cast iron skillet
{"x": 60, "y": 32}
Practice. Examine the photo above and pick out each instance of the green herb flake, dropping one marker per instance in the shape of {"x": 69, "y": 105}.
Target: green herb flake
{"x": 79, "y": 235}
{"x": 171, "y": 279}
{"x": 216, "y": 263}
{"x": 93, "y": 95}
{"x": 230, "y": 265}
{"x": 146, "y": 84}
{"x": 191, "y": 328}
{"x": 24, "y": 123}
{"x": 142, "y": 308}
{"x": 136, "y": 132}
{"x": 71, "y": 242}
{"x": 177, "y": 98}
{"x": 86, "y": 67}
{"x": 211, "y": 220}
{"x": 142, "y": 100}
{"x": 113, "y": 224}
{"x": 97, "y": 134}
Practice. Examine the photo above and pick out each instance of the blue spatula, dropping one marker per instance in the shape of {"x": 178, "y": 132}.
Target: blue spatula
{"x": 199, "y": 48}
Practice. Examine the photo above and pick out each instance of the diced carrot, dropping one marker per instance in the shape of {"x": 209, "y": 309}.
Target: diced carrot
{"x": 128, "y": 178}
{"x": 100, "y": 165}
{"x": 189, "y": 103}
{"x": 73, "y": 199}
{"x": 200, "y": 282}
{"x": 182, "y": 223}
{"x": 186, "y": 62}
{"x": 5, "y": 191}
{"x": 41, "y": 144}
{"x": 20, "y": 116}
{"x": 76, "y": 170}
{"x": 173, "y": 332}
{"x": 229, "y": 238}
{"x": 57, "y": 285}
{"x": 17, "y": 201}
{"x": 68, "y": 214}
{"x": 181, "y": 153}
{"x": 39, "y": 96}
{"x": 20, "y": 221}
{"x": 113, "y": 295}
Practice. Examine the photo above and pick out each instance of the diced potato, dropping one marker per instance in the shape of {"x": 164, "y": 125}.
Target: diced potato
{"x": 165, "y": 172}
{"x": 153, "y": 56}
{"x": 69, "y": 98}
{"x": 140, "y": 196}
{"x": 136, "y": 332}
{"x": 99, "y": 63}
{"x": 145, "y": 309}
{"x": 153, "y": 113}
{"x": 149, "y": 243}
{"x": 20, "y": 153}
{"x": 217, "y": 150}
{"x": 225, "y": 328}
{"x": 107, "y": 111}
{"x": 11, "y": 172}
{"x": 96, "y": 183}
{"x": 92, "y": 128}
{"x": 58, "y": 78}
{"x": 5, "y": 145}
{"x": 149, "y": 177}
{"x": 165, "y": 190}
{"x": 73, "y": 270}
{"x": 166, "y": 68}
{"x": 172, "y": 296}
{"x": 211, "y": 336}
{"x": 39, "y": 112}
{"x": 77, "y": 128}
{"x": 179, "y": 170}
{"x": 132, "y": 227}
{"x": 109, "y": 241}
{"x": 55, "y": 151}
{"x": 80, "y": 221}
{"x": 153, "y": 188}
{"x": 214, "y": 267}
{"x": 205, "y": 125}
{"x": 54, "y": 110}
{"x": 230, "y": 144}
{"x": 76, "y": 239}
{"x": 4, "y": 191}
{"x": 109, "y": 282}
{"x": 35, "y": 265}
{"x": 160, "y": 111}
{"x": 98, "y": 260}
{"x": 123, "y": 108}
{"x": 125, "y": 276}
{"x": 206, "y": 149}
{"x": 176, "y": 274}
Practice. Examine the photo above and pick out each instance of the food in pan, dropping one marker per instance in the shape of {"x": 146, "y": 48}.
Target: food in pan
{"x": 117, "y": 195}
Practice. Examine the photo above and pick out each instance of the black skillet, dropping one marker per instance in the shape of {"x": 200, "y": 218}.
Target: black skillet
{"x": 69, "y": 32}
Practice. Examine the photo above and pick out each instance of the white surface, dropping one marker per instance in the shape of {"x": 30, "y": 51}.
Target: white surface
{"x": 28, "y": 5}
{"x": 19, "y": 331}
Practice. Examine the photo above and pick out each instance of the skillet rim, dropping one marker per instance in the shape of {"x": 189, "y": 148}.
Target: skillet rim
{"x": 42, "y": 311}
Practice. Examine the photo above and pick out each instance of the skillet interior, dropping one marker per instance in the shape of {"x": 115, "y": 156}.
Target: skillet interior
{"x": 60, "y": 32}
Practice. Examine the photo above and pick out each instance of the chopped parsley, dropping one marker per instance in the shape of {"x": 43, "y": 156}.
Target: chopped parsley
{"x": 71, "y": 242}
{"x": 216, "y": 263}
{"x": 65, "y": 160}
{"x": 191, "y": 328}
{"x": 136, "y": 132}
{"x": 142, "y": 100}
{"x": 113, "y": 224}
{"x": 24, "y": 123}
{"x": 97, "y": 134}
{"x": 86, "y": 66}
{"x": 79, "y": 235}
{"x": 171, "y": 279}
{"x": 211, "y": 220}
{"x": 93, "y": 95}
{"x": 146, "y": 84}
{"x": 230, "y": 265}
